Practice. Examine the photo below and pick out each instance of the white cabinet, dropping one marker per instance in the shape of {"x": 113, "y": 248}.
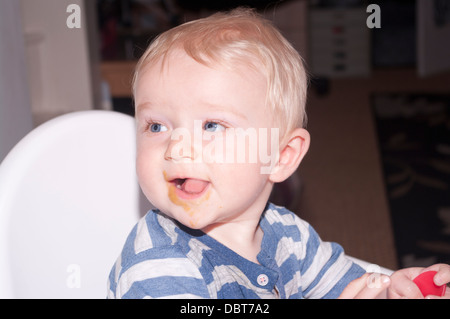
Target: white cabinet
{"x": 339, "y": 42}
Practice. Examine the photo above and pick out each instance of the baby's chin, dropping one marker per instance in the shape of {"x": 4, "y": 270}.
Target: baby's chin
{"x": 202, "y": 222}
{"x": 187, "y": 219}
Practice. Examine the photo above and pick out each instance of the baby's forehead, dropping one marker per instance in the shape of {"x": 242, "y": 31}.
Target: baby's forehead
{"x": 173, "y": 64}
{"x": 252, "y": 85}
{"x": 239, "y": 64}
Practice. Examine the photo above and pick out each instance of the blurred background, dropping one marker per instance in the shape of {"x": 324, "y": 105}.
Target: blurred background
{"x": 377, "y": 176}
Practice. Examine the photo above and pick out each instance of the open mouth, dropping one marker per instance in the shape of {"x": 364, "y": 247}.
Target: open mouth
{"x": 190, "y": 186}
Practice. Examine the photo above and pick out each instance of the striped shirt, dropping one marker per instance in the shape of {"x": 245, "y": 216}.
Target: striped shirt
{"x": 164, "y": 259}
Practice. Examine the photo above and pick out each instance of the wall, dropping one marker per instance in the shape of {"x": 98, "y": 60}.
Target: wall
{"x": 15, "y": 110}
{"x": 58, "y": 57}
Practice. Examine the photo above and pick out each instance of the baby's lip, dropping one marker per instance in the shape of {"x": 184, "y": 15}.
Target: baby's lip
{"x": 191, "y": 185}
{"x": 174, "y": 179}
{"x": 187, "y": 184}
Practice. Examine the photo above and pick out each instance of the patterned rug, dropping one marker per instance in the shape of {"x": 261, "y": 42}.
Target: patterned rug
{"x": 414, "y": 140}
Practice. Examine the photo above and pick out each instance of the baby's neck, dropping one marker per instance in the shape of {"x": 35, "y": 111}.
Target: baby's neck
{"x": 243, "y": 238}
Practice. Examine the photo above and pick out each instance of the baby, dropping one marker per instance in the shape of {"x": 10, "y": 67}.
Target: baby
{"x": 220, "y": 110}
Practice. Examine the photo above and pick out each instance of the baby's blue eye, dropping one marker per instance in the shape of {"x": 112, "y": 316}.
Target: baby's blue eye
{"x": 156, "y": 128}
{"x": 213, "y": 127}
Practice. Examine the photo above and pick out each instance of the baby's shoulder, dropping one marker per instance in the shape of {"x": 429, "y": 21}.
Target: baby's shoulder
{"x": 153, "y": 235}
{"x": 148, "y": 265}
{"x": 282, "y": 217}
{"x": 153, "y": 244}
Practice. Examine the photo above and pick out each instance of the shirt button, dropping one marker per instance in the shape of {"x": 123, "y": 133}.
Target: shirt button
{"x": 262, "y": 280}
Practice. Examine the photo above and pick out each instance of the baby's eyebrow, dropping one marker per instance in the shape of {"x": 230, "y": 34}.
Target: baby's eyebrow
{"x": 144, "y": 105}
{"x": 221, "y": 108}
{"x": 148, "y": 105}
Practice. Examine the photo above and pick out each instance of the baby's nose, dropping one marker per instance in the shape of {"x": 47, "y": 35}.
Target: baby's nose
{"x": 182, "y": 147}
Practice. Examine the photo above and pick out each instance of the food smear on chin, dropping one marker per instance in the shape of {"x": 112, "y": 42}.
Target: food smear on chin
{"x": 191, "y": 186}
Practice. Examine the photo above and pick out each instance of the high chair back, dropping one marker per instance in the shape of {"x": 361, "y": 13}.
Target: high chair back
{"x": 68, "y": 198}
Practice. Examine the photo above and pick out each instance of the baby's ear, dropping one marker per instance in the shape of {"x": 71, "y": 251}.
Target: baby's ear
{"x": 294, "y": 148}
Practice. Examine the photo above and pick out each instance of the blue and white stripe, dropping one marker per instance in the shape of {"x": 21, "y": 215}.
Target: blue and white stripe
{"x": 163, "y": 259}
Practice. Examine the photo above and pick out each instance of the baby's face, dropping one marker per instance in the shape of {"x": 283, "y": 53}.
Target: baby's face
{"x": 193, "y": 162}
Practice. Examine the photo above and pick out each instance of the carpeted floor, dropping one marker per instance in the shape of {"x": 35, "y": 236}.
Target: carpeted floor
{"x": 414, "y": 140}
{"x": 343, "y": 194}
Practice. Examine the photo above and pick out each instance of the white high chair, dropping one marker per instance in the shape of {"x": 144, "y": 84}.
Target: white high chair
{"x": 68, "y": 199}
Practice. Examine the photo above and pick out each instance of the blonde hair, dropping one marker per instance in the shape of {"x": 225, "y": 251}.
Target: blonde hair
{"x": 242, "y": 36}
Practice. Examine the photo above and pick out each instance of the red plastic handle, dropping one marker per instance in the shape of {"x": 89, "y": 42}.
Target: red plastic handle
{"x": 427, "y": 286}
